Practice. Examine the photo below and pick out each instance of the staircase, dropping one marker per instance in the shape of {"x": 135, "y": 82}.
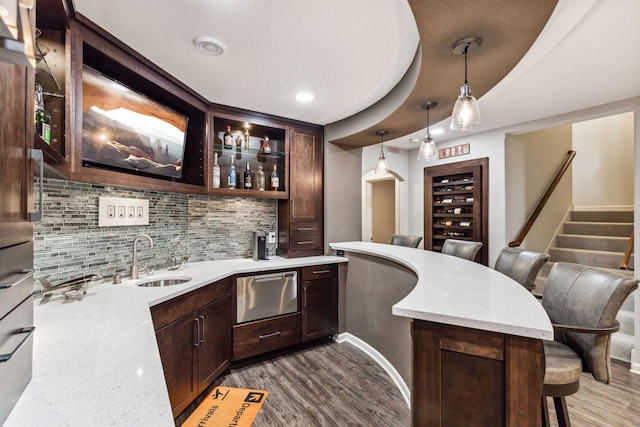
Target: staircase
{"x": 598, "y": 239}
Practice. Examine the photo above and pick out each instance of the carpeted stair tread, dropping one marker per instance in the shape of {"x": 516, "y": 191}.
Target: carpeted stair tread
{"x": 618, "y": 229}
{"x": 621, "y": 345}
{"x": 599, "y": 259}
{"x": 593, "y": 242}
{"x": 602, "y": 216}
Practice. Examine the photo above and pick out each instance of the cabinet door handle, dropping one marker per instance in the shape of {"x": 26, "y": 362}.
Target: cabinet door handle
{"x": 293, "y": 208}
{"x": 202, "y": 336}
{"x": 304, "y": 297}
{"x": 197, "y": 343}
{"x": 37, "y": 155}
{"x": 28, "y": 331}
{"x": 321, "y": 272}
{"x": 25, "y": 275}
{"x": 272, "y": 334}
{"x": 304, "y": 229}
{"x": 306, "y": 242}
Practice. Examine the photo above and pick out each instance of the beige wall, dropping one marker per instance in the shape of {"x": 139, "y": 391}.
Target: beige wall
{"x": 531, "y": 161}
{"x": 603, "y": 167}
{"x": 383, "y": 210}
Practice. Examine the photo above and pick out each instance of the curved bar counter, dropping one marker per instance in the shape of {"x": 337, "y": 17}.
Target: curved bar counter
{"x": 467, "y": 338}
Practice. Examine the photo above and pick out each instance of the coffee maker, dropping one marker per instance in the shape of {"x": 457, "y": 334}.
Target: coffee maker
{"x": 260, "y": 250}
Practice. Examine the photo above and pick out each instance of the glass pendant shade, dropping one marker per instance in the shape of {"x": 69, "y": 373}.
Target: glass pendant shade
{"x": 428, "y": 151}
{"x": 466, "y": 114}
{"x": 382, "y": 166}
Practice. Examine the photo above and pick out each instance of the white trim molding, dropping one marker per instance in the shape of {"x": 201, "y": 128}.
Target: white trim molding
{"x": 380, "y": 359}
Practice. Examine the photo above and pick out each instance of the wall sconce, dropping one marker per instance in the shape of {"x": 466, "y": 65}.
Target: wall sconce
{"x": 466, "y": 114}
{"x": 381, "y": 165}
{"x": 427, "y": 151}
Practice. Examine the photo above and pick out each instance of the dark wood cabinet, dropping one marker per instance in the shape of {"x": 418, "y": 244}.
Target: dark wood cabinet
{"x": 300, "y": 217}
{"x": 262, "y": 336}
{"x": 456, "y": 198}
{"x": 194, "y": 341}
{"x": 319, "y": 301}
{"x": 464, "y": 376}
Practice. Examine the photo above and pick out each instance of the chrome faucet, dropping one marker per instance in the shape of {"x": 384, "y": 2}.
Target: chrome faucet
{"x": 134, "y": 268}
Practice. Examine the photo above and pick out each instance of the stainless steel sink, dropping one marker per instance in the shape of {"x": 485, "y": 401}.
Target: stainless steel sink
{"x": 163, "y": 281}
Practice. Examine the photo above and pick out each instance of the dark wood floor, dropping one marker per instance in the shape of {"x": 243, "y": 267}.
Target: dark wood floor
{"x": 328, "y": 385}
{"x": 338, "y": 385}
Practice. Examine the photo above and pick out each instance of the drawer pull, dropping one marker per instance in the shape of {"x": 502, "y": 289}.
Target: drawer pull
{"x": 272, "y": 334}
{"x": 304, "y": 229}
{"x": 306, "y": 242}
{"x": 25, "y": 275}
{"x": 38, "y": 156}
{"x": 321, "y": 272}
{"x": 28, "y": 331}
{"x": 202, "y": 336}
{"x": 197, "y": 343}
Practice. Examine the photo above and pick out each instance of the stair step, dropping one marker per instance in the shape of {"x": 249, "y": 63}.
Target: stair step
{"x": 602, "y": 216}
{"x": 597, "y": 259}
{"x": 628, "y": 304}
{"x": 621, "y": 229}
{"x": 621, "y": 345}
{"x": 626, "y": 319}
{"x": 598, "y": 243}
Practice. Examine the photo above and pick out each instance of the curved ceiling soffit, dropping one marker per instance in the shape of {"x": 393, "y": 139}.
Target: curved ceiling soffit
{"x": 507, "y": 29}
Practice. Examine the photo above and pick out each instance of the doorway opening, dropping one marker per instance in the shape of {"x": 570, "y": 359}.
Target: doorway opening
{"x": 381, "y": 206}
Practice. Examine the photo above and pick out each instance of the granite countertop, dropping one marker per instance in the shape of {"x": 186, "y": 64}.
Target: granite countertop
{"x": 458, "y": 292}
{"x": 96, "y": 361}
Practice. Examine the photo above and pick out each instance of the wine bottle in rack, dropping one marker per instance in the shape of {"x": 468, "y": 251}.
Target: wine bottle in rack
{"x": 275, "y": 179}
{"x": 246, "y": 139}
{"x": 216, "y": 171}
{"x": 43, "y": 118}
{"x": 266, "y": 147}
{"x": 231, "y": 180}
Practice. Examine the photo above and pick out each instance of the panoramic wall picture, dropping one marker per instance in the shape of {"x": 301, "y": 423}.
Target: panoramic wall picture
{"x": 125, "y": 131}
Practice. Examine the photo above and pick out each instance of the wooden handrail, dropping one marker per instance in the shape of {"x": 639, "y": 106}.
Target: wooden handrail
{"x": 534, "y": 215}
{"x": 624, "y": 265}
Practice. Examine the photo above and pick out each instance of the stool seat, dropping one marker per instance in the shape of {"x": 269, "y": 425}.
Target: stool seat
{"x": 562, "y": 365}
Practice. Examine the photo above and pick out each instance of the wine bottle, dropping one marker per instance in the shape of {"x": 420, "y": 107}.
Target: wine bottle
{"x": 247, "y": 178}
{"x": 266, "y": 147}
{"x": 260, "y": 180}
{"x": 42, "y": 117}
{"x": 231, "y": 182}
{"x": 228, "y": 138}
{"x": 275, "y": 180}
{"x": 246, "y": 139}
{"x": 216, "y": 171}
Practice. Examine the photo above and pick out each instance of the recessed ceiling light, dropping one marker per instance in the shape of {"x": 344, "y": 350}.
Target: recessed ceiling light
{"x": 209, "y": 45}
{"x": 437, "y": 131}
{"x": 304, "y": 97}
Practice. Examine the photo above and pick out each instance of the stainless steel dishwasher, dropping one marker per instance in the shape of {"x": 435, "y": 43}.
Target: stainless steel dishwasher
{"x": 266, "y": 295}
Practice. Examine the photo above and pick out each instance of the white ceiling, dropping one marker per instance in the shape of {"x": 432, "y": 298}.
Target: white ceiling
{"x": 351, "y": 53}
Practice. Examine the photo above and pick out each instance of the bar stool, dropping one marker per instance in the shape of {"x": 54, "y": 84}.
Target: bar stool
{"x": 521, "y": 265}
{"x": 461, "y": 248}
{"x": 406, "y": 240}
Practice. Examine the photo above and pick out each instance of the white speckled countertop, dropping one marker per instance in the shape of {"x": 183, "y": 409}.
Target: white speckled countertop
{"x": 96, "y": 361}
{"x": 458, "y": 292}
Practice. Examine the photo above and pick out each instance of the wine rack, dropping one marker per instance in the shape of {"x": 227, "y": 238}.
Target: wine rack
{"x": 455, "y": 204}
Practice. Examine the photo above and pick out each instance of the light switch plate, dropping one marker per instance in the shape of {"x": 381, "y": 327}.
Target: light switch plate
{"x": 272, "y": 237}
{"x": 118, "y": 211}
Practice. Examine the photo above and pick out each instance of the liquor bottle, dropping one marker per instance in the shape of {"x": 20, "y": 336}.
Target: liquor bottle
{"x": 266, "y": 147}
{"x": 231, "y": 182}
{"x": 42, "y": 118}
{"x": 246, "y": 139}
{"x": 275, "y": 180}
{"x": 228, "y": 138}
{"x": 260, "y": 180}
{"x": 247, "y": 178}
{"x": 238, "y": 142}
{"x": 216, "y": 171}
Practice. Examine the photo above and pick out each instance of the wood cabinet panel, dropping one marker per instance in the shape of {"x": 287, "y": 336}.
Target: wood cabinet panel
{"x": 319, "y": 308}
{"x": 316, "y": 272}
{"x": 215, "y": 350}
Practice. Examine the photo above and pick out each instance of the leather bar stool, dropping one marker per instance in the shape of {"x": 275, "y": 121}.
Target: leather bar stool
{"x": 582, "y": 303}
{"x": 461, "y": 248}
{"x": 521, "y": 265}
{"x": 406, "y": 240}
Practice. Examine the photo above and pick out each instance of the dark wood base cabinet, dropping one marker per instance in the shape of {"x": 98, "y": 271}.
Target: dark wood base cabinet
{"x": 319, "y": 301}
{"x": 469, "y": 377}
{"x": 262, "y": 336}
{"x": 194, "y": 341}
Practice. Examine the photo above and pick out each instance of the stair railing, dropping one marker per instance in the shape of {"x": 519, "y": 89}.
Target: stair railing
{"x": 543, "y": 201}
{"x": 624, "y": 265}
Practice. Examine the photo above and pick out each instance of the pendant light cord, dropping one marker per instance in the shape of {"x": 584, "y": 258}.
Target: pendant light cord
{"x": 466, "y": 48}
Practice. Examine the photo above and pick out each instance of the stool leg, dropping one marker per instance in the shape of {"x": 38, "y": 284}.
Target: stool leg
{"x": 545, "y": 412}
{"x": 561, "y": 411}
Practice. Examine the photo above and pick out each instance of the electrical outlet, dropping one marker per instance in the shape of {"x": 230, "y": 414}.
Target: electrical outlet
{"x": 272, "y": 237}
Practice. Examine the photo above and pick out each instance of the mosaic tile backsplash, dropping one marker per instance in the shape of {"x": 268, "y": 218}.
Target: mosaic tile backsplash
{"x": 69, "y": 243}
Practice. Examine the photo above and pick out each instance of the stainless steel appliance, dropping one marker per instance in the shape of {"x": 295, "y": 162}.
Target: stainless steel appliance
{"x": 260, "y": 250}
{"x": 266, "y": 295}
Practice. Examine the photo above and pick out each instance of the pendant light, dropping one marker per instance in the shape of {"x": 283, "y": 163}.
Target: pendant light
{"x": 382, "y": 166}
{"x": 428, "y": 151}
{"x": 466, "y": 114}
